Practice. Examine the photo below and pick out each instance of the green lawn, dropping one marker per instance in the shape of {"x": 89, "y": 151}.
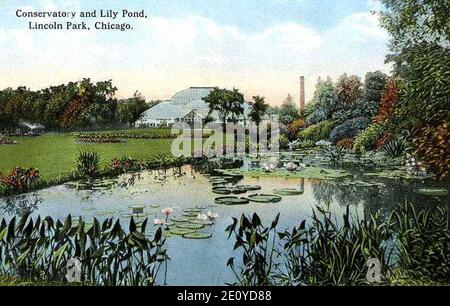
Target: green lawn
{"x": 56, "y": 154}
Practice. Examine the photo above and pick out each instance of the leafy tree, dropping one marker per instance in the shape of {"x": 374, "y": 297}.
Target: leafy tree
{"x": 413, "y": 24}
{"x": 228, "y": 103}
{"x": 348, "y": 90}
{"x": 324, "y": 102}
{"x": 130, "y": 110}
{"x": 389, "y": 100}
{"x": 259, "y": 109}
{"x": 288, "y": 111}
{"x": 374, "y": 85}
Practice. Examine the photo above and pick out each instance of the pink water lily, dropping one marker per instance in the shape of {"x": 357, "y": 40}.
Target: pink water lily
{"x": 167, "y": 211}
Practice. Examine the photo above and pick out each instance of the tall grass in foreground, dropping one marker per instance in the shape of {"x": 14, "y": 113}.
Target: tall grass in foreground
{"x": 412, "y": 247}
{"x": 40, "y": 251}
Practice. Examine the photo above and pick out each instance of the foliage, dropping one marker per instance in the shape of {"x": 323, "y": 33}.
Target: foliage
{"x": 389, "y": 101}
{"x": 334, "y": 155}
{"x": 294, "y": 128}
{"x": 374, "y": 85}
{"x": 349, "y": 128}
{"x": 228, "y": 103}
{"x": 40, "y": 250}
{"x": 423, "y": 238}
{"x": 259, "y": 109}
{"x": 425, "y": 96}
{"x": 88, "y": 164}
{"x": 412, "y": 25}
{"x": 257, "y": 244}
{"x": 124, "y": 165}
{"x": 395, "y": 147}
{"x": 288, "y": 111}
{"x": 325, "y": 253}
{"x": 368, "y": 138}
{"x": 75, "y": 105}
{"x": 283, "y": 142}
{"x": 318, "y": 131}
{"x": 432, "y": 144}
{"x": 324, "y": 102}
{"x": 348, "y": 90}
{"x": 130, "y": 110}
{"x": 346, "y": 143}
{"x": 19, "y": 180}
{"x": 411, "y": 246}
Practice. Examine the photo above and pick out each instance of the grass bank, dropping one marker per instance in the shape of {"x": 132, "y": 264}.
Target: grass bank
{"x": 55, "y": 155}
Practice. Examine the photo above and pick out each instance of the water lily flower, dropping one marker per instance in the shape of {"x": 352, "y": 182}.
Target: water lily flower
{"x": 167, "y": 211}
{"x": 202, "y": 217}
{"x": 159, "y": 222}
{"x": 290, "y": 166}
{"x": 212, "y": 216}
{"x": 323, "y": 143}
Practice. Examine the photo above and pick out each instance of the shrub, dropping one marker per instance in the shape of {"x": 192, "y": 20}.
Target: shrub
{"x": 294, "y": 128}
{"x": 432, "y": 144}
{"x": 283, "y": 142}
{"x": 368, "y": 138}
{"x": 317, "y": 132}
{"x": 346, "y": 143}
{"x": 349, "y": 129}
{"x": 88, "y": 164}
{"x": 124, "y": 165}
{"x": 388, "y": 101}
{"x": 19, "y": 180}
{"x": 395, "y": 148}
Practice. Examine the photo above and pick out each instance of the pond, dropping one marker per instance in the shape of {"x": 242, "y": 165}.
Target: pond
{"x": 203, "y": 262}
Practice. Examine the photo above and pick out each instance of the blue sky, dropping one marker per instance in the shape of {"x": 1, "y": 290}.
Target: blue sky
{"x": 258, "y": 46}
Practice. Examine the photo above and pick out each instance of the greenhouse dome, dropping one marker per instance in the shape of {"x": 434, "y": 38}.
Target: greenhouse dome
{"x": 185, "y": 106}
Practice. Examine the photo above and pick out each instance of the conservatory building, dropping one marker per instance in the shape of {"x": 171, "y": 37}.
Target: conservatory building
{"x": 186, "y": 106}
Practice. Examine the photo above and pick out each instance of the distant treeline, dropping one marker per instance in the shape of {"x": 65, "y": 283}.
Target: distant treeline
{"x": 72, "y": 106}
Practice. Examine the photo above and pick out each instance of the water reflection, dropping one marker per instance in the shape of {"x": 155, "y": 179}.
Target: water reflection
{"x": 20, "y": 205}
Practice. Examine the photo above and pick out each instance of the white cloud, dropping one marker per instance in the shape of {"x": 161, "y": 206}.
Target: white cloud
{"x": 163, "y": 55}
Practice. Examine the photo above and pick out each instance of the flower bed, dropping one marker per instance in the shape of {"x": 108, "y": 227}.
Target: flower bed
{"x": 6, "y": 141}
{"x": 19, "y": 133}
{"x": 90, "y": 139}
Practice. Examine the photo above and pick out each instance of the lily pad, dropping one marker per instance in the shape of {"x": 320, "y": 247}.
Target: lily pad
{"x": 231, "y": 200}
{"x": 190, "y": 226}
{"x": 180, "y": 231}
{"x": 289, "y": 191}
{"x": 197, "y": 236}
{"x": 180, "y": 219}
{"x": 265, "y": 198}
{"x": 433, "y": 192}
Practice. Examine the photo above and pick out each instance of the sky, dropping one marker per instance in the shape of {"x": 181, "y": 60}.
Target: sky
{"x": 259, "y": 47}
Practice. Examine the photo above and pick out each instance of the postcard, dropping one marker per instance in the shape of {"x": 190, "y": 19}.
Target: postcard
{"x": 221, "y": 144}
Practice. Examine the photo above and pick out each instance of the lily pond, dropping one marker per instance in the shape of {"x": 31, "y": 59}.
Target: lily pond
{"x": 204, "y": 204}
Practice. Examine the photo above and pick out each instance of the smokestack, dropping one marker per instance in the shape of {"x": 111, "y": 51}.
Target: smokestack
{"x": 302, "y": 95}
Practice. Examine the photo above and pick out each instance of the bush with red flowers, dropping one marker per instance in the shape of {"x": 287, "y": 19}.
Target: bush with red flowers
{"x": 19, "y": 180}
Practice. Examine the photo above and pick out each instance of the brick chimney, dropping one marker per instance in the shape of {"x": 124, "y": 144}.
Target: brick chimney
{"x": 302, "y": 94}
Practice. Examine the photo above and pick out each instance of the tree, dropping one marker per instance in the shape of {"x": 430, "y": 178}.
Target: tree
{"x": 389, "y": 100}
{"x": 130, "y": 110}
{"x": 348, "y": 90}
{"x": 288, "y": 111}
{"x": 413, "y": 24}
{"x": 324, "y": 102}
{"x": 228, "y": 103}
{"x": 374, "y": 85}
{"x": 259, "y": 109}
